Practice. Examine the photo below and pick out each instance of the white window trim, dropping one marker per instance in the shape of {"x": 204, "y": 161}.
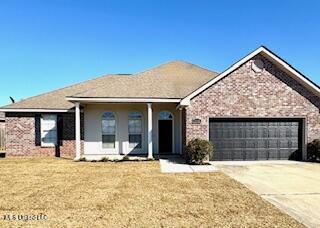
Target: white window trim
{"x": 44, "y": 144}
{"x": 136, "y": 150}
{"x": 114, "y": 150}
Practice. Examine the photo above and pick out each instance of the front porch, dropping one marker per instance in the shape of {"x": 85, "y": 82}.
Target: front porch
{"x": 115, "y": 130}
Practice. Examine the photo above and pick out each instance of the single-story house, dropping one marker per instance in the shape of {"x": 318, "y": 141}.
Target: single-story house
{"x": 260, "y": 108}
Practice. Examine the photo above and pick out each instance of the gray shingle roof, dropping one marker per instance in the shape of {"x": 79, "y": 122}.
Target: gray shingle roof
{"x": 175, "y": 79}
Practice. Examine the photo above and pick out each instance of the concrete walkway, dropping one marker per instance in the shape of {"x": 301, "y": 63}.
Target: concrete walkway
{"x": 178, "y": 165}
{"x": 293, "y": 187}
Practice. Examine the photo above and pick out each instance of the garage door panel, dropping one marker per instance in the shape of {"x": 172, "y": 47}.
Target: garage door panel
{"x": 273, "y": 132}
{"x": 262, "y": 154}
{"x": 226, "y": 155}
{"x": 284, "y": 143}
{"x": 254, "y": 139}
{"x": 262, "y": 143}
{"x": 238, "y": 154}
{"x": 238, "y": 144}
{"x": 273, "y": 154}
{"x": 251, "y": 143}
{"x": 284, "y": 132}
{"x": 250, "y": 154}
{"x": 263, "y": 132}
{"x": 294, "y": 133}
{"x": 294, "y": 143}
{"x": 285, "y": 153}
{"x": 273, "y": 143}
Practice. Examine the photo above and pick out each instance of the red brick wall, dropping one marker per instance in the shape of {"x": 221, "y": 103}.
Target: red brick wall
{"x": 20, "y": 136}
{"x": 2, "y": 134}
{"x": 244, "y": 93}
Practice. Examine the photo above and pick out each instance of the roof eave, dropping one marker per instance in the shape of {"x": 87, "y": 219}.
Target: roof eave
{"x": 42, "y": 110}
{"x": 122, "y": 100}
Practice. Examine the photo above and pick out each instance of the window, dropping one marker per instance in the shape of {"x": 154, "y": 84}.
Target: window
{"x": 49, "y": 130}
{"x": 165, "y": 115}
{"x": 135, "y": 130}
{"x": 108, "y": 130}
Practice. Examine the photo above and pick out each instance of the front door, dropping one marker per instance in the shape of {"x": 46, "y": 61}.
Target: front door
{"x": 165, "y": 136}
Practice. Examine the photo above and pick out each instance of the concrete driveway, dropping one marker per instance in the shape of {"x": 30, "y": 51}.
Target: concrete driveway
{"x": 294, "y": 187}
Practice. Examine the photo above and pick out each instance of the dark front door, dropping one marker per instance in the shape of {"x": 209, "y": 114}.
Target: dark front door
{"x": 165, "y": 136}
{"x": 256, "y": 139}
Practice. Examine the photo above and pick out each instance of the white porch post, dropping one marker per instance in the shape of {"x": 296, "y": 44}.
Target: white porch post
{"x": 78, "y": 137}
{"x": 150, "y": 153}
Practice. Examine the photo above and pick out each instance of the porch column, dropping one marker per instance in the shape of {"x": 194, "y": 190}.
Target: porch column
{"x": 78, "y": 137}
{"x": 150, "y": 153}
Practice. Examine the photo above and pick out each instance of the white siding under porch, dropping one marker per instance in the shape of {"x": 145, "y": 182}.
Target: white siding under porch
{"x": 93, "y": 132}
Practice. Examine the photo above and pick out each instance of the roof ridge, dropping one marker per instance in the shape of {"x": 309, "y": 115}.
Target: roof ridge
{"x": 177, "y": 60}
{"x": 151, "y": 68}
{"x": 201, "y": 67}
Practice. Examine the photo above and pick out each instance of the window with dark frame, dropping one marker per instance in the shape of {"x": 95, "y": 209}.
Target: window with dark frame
{"x": 135, "y": 130}
{"x": 108, "y": 130}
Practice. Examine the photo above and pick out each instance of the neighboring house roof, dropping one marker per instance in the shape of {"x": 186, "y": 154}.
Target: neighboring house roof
{"x": 175, "y": 79}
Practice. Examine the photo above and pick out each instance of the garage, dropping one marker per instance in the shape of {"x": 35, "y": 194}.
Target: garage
{"x": 256, "y": 139}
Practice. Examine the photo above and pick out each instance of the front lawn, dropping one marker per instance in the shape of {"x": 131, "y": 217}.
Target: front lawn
{"x": 135, "y": 194}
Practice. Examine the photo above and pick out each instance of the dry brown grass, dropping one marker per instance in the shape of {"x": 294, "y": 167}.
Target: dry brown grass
{"x": 128, "y": 194}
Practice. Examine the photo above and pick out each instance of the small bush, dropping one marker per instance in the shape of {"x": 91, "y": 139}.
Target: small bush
{"x": 313, "y": 150}
{"x": 104, "y": 159}
{"x": 198, "y": 151}
{"x": 125, "y": 158}
{"x": 83, "y": 159}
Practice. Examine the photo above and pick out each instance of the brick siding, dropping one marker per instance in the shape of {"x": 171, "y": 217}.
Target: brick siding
{"x": 20, "y": 136}
{"x": 2, "y": 134}
{"x": 244, "y": 93}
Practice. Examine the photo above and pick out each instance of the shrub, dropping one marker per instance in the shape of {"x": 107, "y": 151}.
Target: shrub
{"x": 104, "y": 159}
{"x": 313, "y": 150}
{"x": 83, "y": 159}
{"x": 198, "y": 151}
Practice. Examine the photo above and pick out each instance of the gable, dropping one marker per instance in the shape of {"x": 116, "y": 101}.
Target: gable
{"x": 267, "y": 54}
{"x": 257, "y": 93}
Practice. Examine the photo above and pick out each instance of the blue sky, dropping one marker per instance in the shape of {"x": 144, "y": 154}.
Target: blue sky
{"x": 49, "y": 44}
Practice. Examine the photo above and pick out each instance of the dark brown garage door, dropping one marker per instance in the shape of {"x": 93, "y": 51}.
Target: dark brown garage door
{"x": 256, "y": 139}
